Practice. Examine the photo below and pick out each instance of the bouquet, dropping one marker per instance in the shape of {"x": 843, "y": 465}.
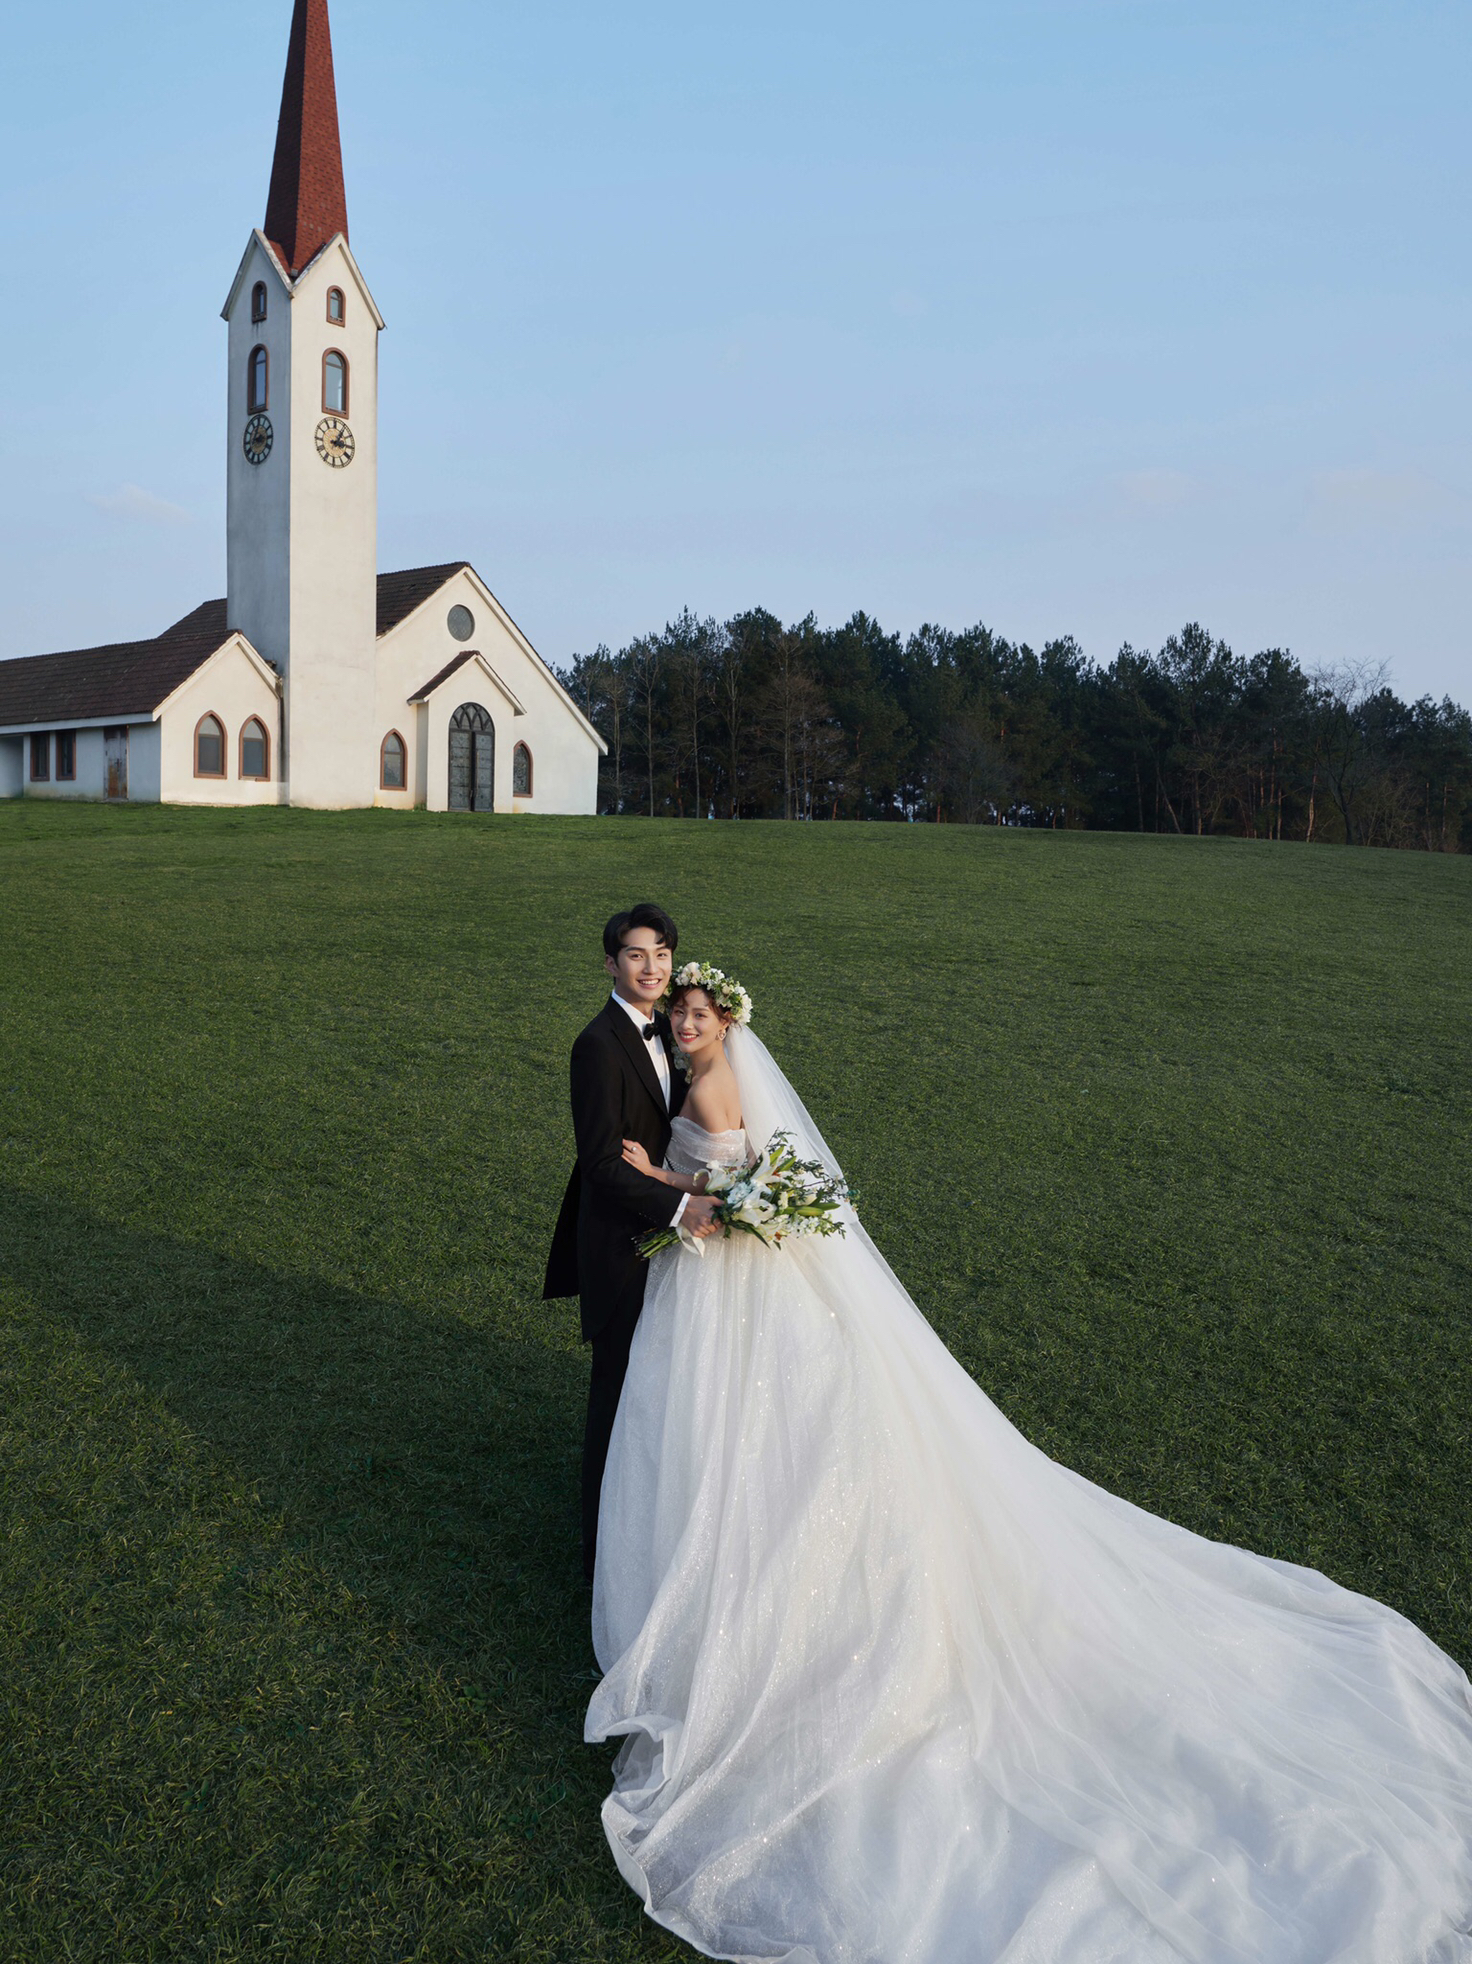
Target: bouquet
{"x": 780, "y": 1196}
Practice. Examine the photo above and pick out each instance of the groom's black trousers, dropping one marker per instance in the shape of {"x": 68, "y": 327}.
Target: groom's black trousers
{"x": 610, "y": 1363}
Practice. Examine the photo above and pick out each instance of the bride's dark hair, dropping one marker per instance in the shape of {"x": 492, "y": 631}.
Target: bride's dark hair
{"x": 680, "y": 990}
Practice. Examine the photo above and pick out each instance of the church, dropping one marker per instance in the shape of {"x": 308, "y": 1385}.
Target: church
{"x": 317, "y": 680}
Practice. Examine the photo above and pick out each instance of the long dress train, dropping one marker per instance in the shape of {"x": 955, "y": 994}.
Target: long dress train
{"x": 897, "y": 1688}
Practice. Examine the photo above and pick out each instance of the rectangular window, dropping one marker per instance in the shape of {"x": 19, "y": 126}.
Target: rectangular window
{"x": 66, "y": 754}
{"x": 40, "y": 756}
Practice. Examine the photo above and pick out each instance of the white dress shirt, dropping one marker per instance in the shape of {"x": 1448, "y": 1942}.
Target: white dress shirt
{"x": 656, "y": 1053}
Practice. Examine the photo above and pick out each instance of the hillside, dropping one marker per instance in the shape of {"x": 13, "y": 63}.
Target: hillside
{"x": 1169, "y": 1138}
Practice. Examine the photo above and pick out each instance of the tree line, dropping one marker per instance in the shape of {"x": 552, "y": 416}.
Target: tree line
{"x": 746, "y": 718}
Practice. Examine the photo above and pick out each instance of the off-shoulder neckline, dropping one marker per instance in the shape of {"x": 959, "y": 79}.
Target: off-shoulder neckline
{"x": 731, "y": 1132}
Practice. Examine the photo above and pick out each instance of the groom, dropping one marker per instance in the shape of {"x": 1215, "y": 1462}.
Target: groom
{"x": 623, "y": 1087}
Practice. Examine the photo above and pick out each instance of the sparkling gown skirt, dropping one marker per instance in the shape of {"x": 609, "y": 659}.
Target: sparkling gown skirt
{"x": 896, "y": 1688}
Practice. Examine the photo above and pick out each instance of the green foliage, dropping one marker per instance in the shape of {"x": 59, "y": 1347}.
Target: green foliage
{"x": 746, "y": 718}
{"x": 1168, "y": 1136}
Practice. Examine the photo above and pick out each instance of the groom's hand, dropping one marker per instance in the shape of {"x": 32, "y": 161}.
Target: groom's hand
{"x": 699, "y": 1216}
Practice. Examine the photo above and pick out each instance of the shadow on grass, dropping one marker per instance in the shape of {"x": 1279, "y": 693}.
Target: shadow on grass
{"x": 432, "y": 1465}
{"x": 309, "y": 1679}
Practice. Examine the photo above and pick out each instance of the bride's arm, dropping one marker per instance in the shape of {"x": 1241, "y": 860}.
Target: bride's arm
{"x": 636, "y": 1156}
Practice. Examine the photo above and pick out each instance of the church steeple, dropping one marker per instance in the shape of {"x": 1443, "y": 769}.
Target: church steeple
{"x": 302, "y": 481}
{"x": 307, "y": 202}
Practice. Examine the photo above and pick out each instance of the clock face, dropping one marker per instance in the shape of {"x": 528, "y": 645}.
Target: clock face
{"x": 259, "y": 437}
{"x": 335, "y": 444}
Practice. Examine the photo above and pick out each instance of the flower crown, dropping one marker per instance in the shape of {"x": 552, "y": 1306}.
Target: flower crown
{"x": 722, "y": 989}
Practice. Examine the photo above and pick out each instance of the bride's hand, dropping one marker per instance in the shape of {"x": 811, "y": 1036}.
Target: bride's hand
{"x": 636, "y": 1156}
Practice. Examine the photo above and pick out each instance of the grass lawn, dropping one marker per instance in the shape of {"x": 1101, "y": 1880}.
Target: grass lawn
{"x": 1170, "y": 1138}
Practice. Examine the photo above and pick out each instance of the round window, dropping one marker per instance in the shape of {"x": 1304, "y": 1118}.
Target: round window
{"x": 461, "y": 623}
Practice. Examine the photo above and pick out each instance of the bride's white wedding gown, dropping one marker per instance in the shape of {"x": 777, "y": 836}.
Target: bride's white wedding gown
{"x": 896, "y": 1688}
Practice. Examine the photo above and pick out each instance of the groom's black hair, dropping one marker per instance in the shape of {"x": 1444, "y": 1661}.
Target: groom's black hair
{"x": 646, "y": 914}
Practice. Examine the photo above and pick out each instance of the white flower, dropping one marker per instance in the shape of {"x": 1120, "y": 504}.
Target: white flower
{"x": 754, "y": 1211}
{"x": 722, "y": 989}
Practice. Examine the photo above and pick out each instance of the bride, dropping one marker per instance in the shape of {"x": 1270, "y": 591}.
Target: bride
{"x": 896, "y": 1688}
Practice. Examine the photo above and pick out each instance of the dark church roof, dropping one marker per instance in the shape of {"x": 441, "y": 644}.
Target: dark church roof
{"x": 400, "y": 593}
{"x": 129, "y": 679}
{"x": 306, "y": 204}
{"x": 455, "y": 662}
{"x": 124, "y": 679}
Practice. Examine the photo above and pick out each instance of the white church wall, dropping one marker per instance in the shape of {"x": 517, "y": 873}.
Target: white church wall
{"x": 86, "y": 781}
{"x": 230, "y": 687}
{"x": 420, "y": 713}
{"x": 91, "y": 764}
{"x": 564, "y": 756}
{"x": 12, "y": 766}
{"x": 407, "y": 657}
{"x": 334, "y": 548}
{"x": 436, "y": 772}
{"x": 145, "y": 762}
{"x": 406, "y": 724}
{"x": 257, "y": 500}
{"x": 42, "y": 787}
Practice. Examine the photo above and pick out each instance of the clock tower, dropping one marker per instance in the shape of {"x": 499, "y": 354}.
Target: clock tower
{"x": 302, "y": 477}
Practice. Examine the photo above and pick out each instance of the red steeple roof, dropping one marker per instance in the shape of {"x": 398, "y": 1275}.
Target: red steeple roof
{"x": 307, "y": 203}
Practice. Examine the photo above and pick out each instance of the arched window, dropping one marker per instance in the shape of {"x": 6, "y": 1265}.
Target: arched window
{"x": 392, "y": 763}
{"x": 255, "y": 750}
{"x": 209, "y": 747}
{"x": 336, "y": 306}
{"x": 257, "y": 380}
{"x": 335, "y": 383}
{"x": 258, "y": 301}
{"x": 521, "y": 772}
{"x": 472, "y": 760}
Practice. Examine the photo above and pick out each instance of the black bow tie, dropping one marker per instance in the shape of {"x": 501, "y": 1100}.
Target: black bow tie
{"x": 650, "y": 1032}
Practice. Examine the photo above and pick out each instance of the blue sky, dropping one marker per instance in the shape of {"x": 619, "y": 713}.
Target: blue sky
{"x": 1073, "y": 317}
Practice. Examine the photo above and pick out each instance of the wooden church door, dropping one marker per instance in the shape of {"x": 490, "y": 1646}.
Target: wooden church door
{"x": 472, "y": 760}
{"x": 115, "y": 762}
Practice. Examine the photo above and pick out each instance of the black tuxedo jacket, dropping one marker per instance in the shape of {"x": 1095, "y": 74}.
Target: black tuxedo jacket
{"x": 608, "y": 1205}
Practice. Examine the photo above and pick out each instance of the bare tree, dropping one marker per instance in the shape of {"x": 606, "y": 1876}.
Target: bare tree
{"x": 791, "y": 700}
{"x": 977, "y": 781}
{"x": 690, "y": 646}
{"x": 644, "y": 664}
{"x": 601, "y": 682}
{"x": 1346, "y": 755}
{"x": 731, "y": 666}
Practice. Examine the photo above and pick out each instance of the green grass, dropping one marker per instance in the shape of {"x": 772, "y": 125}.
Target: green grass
{"x": 1170, "y": 1138}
